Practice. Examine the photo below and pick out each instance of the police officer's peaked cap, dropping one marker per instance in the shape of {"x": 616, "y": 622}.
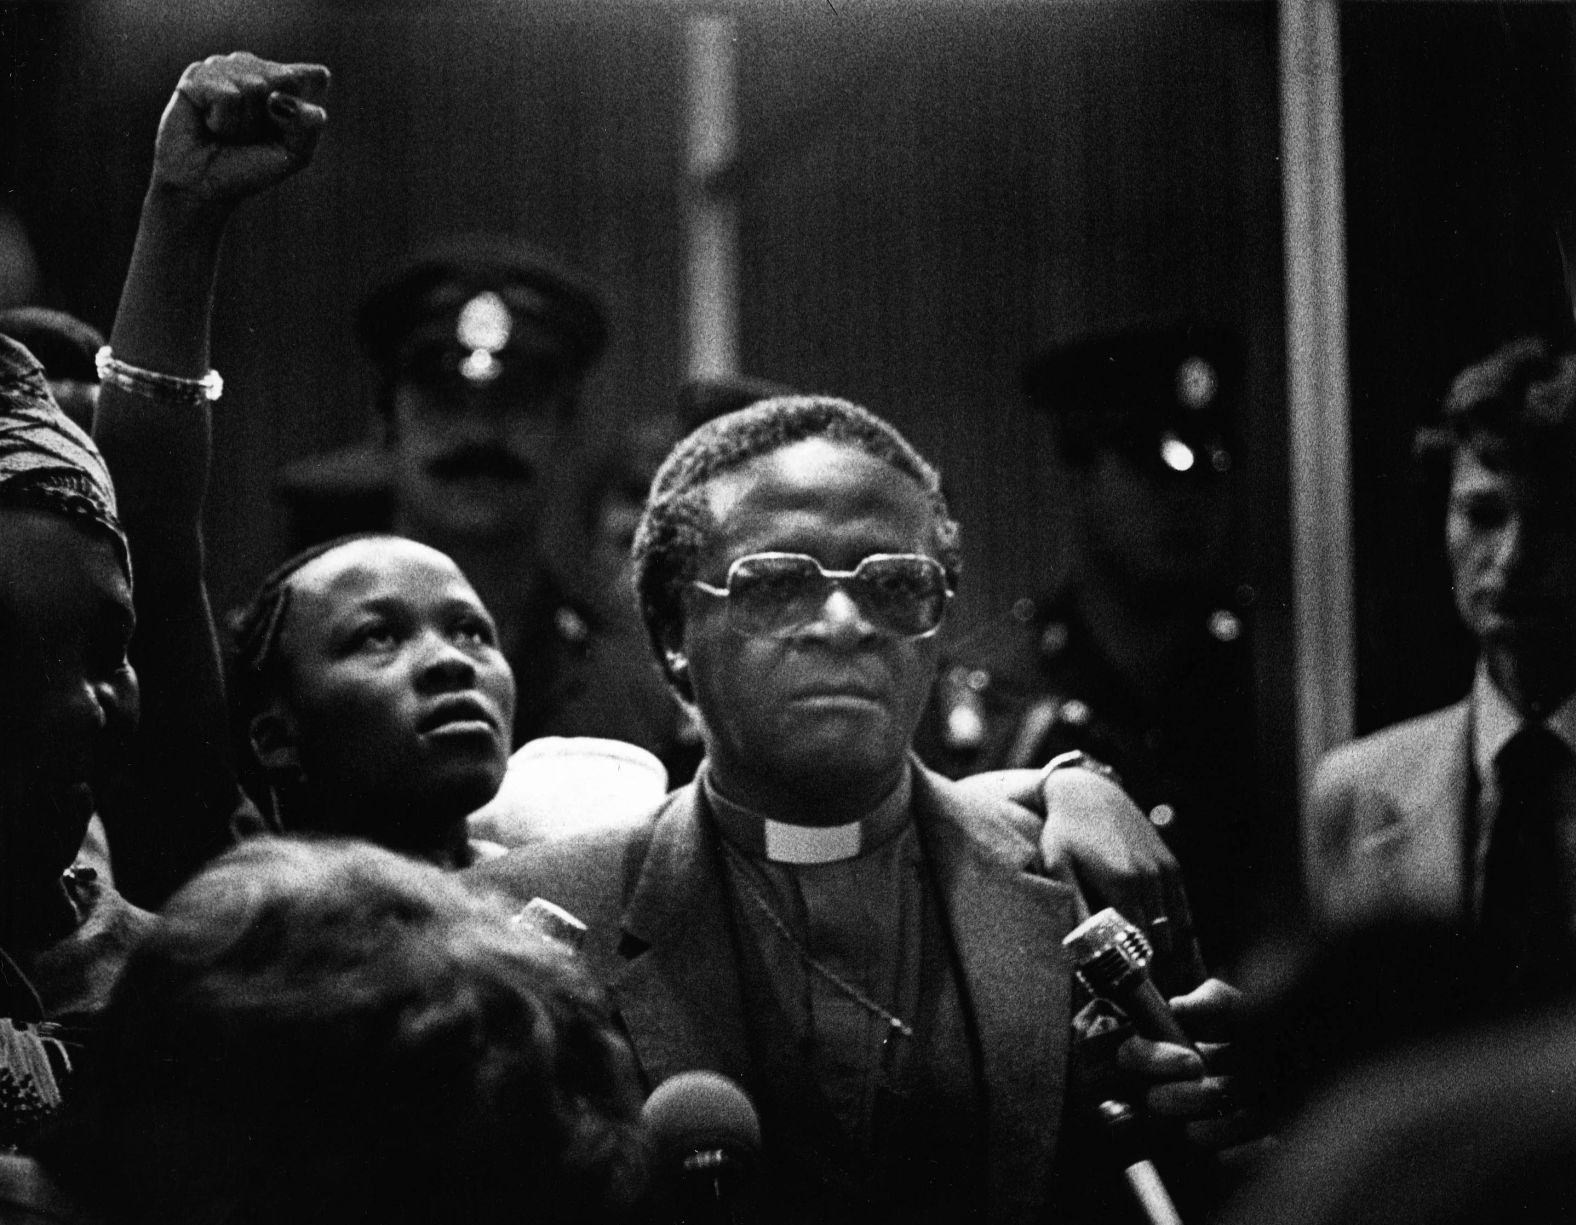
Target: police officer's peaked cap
{"x": 441, "y": 278}
{"x": 1140, "y": 385}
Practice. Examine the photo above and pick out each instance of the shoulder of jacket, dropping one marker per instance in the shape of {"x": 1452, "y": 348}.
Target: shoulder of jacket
{"x": 1388, "y": 745}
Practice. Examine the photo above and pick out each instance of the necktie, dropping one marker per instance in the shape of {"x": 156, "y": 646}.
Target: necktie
{"x": 1525, "y": 912}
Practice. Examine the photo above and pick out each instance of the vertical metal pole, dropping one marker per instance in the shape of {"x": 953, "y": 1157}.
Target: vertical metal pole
{"x": 1318, "y": 395}
{"x": 712, "y": 222}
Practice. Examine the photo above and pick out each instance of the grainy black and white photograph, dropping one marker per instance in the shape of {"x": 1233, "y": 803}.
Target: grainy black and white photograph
{"x": 787, "y": 612}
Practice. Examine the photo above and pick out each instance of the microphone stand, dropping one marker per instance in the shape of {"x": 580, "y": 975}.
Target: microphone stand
{"x": 1143, "y": 1180}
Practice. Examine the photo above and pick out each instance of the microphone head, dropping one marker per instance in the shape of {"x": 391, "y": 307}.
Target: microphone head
{"x": 1105, "y": 931}
{"x": 698, "y": 1111}
{"x": 1106, "y": 948}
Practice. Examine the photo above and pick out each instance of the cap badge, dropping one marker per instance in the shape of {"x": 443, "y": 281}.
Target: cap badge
{"x": 1176, "y": 454}
{"x": 1197, "y": 383}
{"x": 483, "y": 328}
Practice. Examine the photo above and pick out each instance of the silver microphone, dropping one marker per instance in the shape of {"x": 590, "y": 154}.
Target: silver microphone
{"x": 1111, "y": 958}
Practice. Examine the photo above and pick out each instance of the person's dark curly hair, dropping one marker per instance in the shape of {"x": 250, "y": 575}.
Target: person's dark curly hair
{"x": 677, "y": 522}
{"x": 322, "y": 1032}
{"x": 1514, "y": 409}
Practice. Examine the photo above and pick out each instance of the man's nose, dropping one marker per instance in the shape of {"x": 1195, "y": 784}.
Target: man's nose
{"x": 96, "y": 705}
{"x": 1510, "y": 545}
{"x": 91, "y": 703}
{"x": 443, "y": 663}
{"x": 841, "y": 621}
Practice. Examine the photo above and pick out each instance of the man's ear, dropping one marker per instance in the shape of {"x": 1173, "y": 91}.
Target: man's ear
{"x": 675, "y": 663}
{"x": 274, "y": 741}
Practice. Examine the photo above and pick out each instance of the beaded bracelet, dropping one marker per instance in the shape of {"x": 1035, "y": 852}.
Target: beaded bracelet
{"x": 152, "y": 385}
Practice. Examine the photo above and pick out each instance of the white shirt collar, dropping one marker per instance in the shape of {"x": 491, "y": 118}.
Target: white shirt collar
{"x": 785, "y": 842}
{"x": 1495, "y": 720}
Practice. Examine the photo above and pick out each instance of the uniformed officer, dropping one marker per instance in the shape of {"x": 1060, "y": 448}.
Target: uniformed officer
{"x": 1140, "y": 658}
{"x": 482, "y": 345}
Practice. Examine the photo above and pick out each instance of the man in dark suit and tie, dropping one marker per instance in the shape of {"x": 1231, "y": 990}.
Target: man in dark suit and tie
{"x": 873, "y": 952}
{"x": 1469, "y": 813}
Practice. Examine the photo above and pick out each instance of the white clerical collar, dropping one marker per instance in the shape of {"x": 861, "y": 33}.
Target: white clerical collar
{"x": 786, "y": 842}
{"x": 1495, "y": 720}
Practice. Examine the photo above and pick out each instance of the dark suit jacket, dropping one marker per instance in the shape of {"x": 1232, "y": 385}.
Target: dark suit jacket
{"x": 657, "y": 911}
{"x": 1387, "y": 823}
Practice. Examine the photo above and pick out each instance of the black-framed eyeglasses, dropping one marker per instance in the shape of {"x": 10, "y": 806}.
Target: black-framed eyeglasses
{"x": 777, "y": 595}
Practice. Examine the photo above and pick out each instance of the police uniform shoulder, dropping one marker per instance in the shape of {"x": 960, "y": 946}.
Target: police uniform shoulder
{"x": 1011, "y": 644}
{"x": 978, "y": 691}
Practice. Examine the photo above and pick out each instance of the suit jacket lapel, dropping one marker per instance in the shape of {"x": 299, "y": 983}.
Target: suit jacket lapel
{"x": 678, "y": 989}
{"x": 1008, "y": 923}
{"x": 1437, "y": 805}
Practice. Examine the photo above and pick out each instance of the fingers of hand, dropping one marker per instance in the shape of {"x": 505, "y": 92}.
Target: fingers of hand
{"x": 298, "y": 123}
{"x": 1207, "y": 1098}
{"x": 1180, "y": 913}
{"x": 306, "y": 81}
{"x": 1213, "y": 1011}
{"x": 1159, "y": 1061}
{"x": 1155, "y": 922}
{"x": 229, "y": 92}
{"x": 237, "y": 96}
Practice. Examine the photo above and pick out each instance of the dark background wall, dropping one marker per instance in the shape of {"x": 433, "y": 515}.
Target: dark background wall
{"x": 554, "y": 122}
{"x": 1461, "y": 162}
{"x": 940, "y": 192}
{"x": 927, "y": 193}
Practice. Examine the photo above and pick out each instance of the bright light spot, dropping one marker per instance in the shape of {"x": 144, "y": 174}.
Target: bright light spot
{"x": 1176, "y": 454}
{"x": 965, "y": 728}
{"x": 484, "y": 323}
{"x": 480, "y": 367}
{"x": 1225, "y": 625}
{"x": 1197, "y": 383}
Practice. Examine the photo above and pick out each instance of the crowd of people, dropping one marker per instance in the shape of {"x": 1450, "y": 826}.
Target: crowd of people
{"x": 262, "y": 962}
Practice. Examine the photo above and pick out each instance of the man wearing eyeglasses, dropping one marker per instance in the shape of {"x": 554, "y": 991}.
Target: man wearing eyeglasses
{"x": 872, "y": 951}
